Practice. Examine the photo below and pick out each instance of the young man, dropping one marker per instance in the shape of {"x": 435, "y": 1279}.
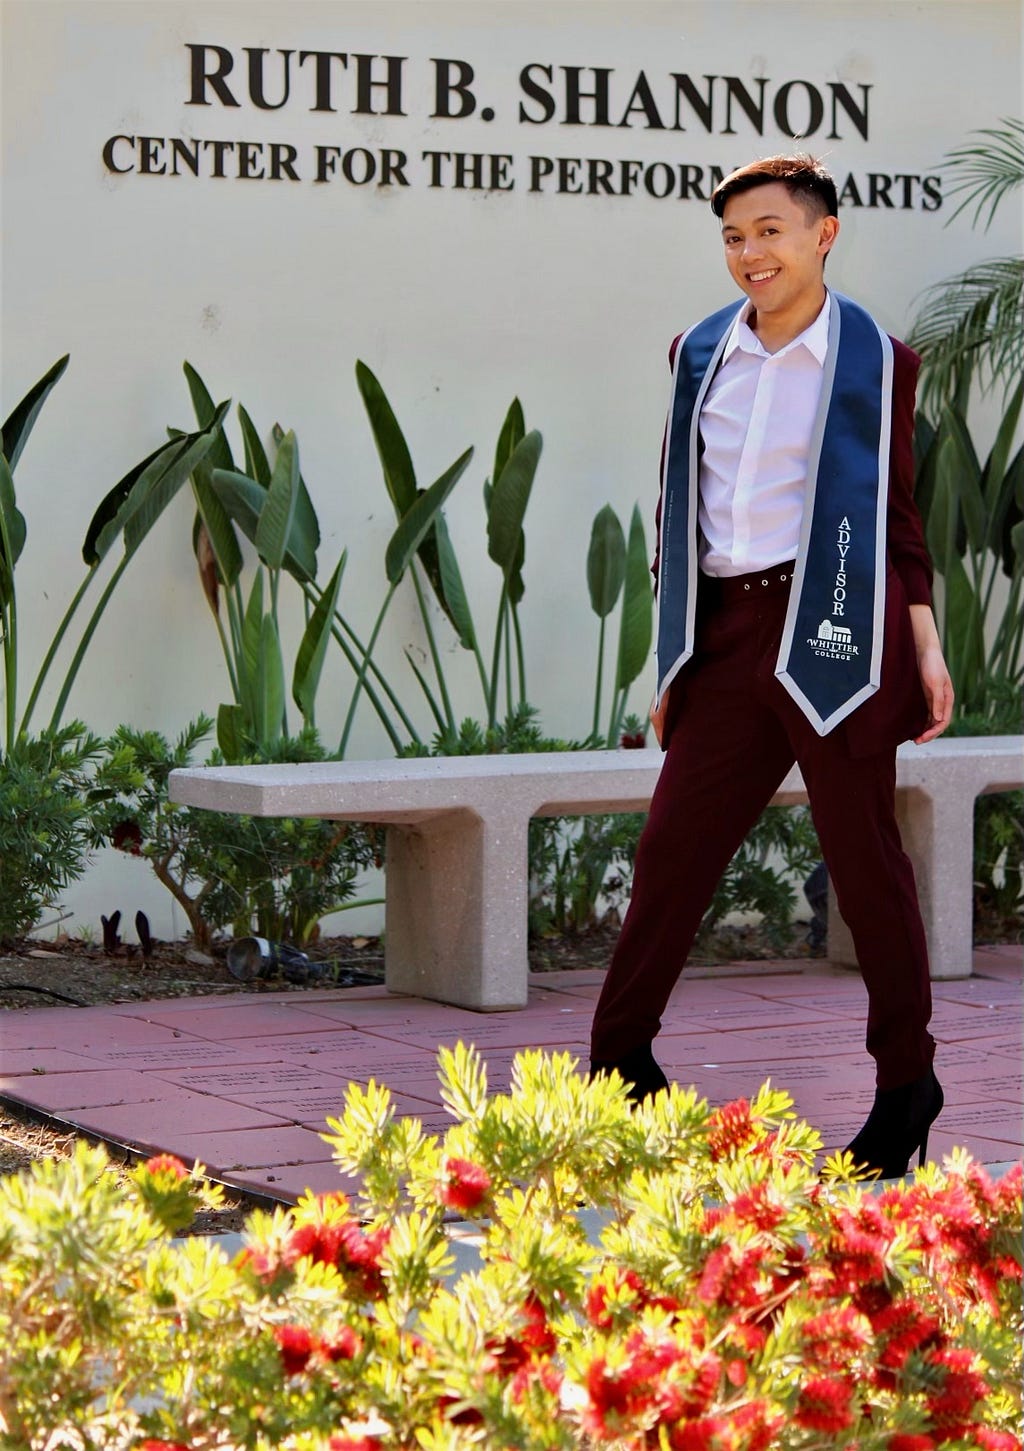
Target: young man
{"x": 794, "y": 623}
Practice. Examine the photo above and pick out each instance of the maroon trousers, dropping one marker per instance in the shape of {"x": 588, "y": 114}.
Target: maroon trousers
{"x": 733, "y": 732}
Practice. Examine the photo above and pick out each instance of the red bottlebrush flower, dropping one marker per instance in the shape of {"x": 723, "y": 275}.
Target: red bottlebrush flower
{"x": 296, "y": 1345}
{"x": 343, "y": 1344}
{"x": 904, "y": 1329}
{"x": 166, "y": 1164}
{"x": 465, "y": 1185}
{"x": 833, "y": 1337}
{"x": 353, "y": 1443}
{"x": 962, "y": 1388}
{"x": 152, "y": 1445}
{"x": 909, "y": 1441}
{"x": 730, "y": 1277}
{"x": 629, "y": 1292}
{"x": 304, "y": 1240}
{"x": 262, "y": 1263}
{"x": 824, "y": 1404}
{"x": 127, "y": 836}
{"x": 990, "y": 1439}
{"x": 857, "y": 1259}
{"x": 609, "y": 1395}
{"x": 709, "y": 1433}
{"x": 756, "y": 1425}
{"x": 730, "y": 1129}
{"x": 537, "y": 1335}
{"x": 736, "y": 1372}
{"x": 759, "y": 1206}
{"x": 748, "y": 1337}
{"x": 632, "y": 740}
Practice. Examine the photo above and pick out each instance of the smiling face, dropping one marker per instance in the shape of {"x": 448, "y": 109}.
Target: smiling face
{"x": 775, "y": 249}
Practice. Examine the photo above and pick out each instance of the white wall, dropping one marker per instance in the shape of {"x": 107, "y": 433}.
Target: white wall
{"x": 457, "y": 299}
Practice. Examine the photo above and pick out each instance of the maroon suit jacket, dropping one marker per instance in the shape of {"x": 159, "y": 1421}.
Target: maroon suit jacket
{"x": 898, "y": 710}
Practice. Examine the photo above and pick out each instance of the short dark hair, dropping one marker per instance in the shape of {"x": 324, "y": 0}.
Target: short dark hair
{"x": 804, "y": 178}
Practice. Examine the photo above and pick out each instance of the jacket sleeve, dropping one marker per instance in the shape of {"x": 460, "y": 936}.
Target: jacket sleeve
{"x": 907, "y": 549}
{"x": 661, "y": 470}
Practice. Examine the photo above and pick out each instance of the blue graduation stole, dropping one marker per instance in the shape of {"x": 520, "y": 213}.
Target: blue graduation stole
{"x": 830, "y": 657}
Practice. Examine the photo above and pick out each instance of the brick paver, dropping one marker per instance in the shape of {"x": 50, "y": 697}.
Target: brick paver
{"x": 244, "y": 1083}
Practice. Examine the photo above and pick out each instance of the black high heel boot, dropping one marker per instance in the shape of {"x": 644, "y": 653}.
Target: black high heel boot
{"x": 897, "y": 1125}
{"x": 639, "y": 1070}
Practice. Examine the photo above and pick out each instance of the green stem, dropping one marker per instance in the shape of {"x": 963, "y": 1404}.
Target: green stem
{"x": 520, "y": 659}
{"x": 508, "y": 660}
{"x": 432, "y": 644}
{"x": 9, "y": 626}
{"x": 492, "y": 699}
{"x": 83, "y": 644}
{"x": 434, "y": 707}
{"x": 597, "y": 687}
{"x": 618, "y": 716}
{"x": 227, "y": 654}
{"x": 364, "y": 666}
{"x": 55, "y": 644}
{"x": 275, "y": 585}
{"x": 9, "y": 629}
{"x": 342, "y": 624}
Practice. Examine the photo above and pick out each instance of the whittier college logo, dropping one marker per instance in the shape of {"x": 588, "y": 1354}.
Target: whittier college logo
{"x": 836, "y": 641}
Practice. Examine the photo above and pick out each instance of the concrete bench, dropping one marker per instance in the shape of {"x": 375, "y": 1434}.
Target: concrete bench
{"x": 456, "y": 854}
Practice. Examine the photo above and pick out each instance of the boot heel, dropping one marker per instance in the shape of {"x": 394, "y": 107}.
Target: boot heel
{"x": 922, "y": 1157}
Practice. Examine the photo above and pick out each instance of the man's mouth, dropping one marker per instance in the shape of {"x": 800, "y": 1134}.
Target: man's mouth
{"x": 763, "y": 276}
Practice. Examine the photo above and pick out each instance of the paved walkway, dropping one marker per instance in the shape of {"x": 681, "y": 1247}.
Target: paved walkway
{"x": 244, "y": 1082}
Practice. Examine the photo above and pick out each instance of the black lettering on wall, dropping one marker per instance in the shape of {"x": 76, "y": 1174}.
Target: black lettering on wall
{"x": 575, "y": 95}
{"x": 257, "y": 93}
{"x": 815, "y": 108}
{"x": 857, "y": 114}
{"x": 685, "y": 89}
{"x": 445, "y": 88}
{"x": 201, "y": 77}
{"x": 735, "y": 90}
{"x": 536, "y": 92}
{"x": 322, "y": 74}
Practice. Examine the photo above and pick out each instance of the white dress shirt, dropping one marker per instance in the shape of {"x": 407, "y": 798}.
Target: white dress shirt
{"x": 756, "y": 426}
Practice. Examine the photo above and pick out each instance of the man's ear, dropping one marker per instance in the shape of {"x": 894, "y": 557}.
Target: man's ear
{"x": 828, "y": 231}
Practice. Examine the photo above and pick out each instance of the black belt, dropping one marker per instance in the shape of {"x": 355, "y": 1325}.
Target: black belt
{"x": 735, "y": 588}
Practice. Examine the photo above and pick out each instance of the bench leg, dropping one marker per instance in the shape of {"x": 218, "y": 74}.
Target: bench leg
{"x": 938, "y": 837}
{"x": 455, "y": 914}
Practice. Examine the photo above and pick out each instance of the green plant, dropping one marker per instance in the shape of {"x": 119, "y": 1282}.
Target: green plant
{"x": 972, "y": 325}
{"x": 128, "y": 512}
{"x": 506, "y": 496}
{"x": 44, "y": 821}
{"x": 615, "y": 568}
{"x": 973, "y": 522}
{"x": 752, "y": 884}
{"x": 275, "y": 876}
{"x": 998, "y": 831}
{"x": 729, "y": 1296}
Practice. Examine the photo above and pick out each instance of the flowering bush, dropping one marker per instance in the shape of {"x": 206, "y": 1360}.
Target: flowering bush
{"x": 728, "y": 1298}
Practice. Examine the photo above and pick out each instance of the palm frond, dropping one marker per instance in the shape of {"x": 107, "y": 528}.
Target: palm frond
{"x": 989, "y": 170}
{"x": 971, "y": 323}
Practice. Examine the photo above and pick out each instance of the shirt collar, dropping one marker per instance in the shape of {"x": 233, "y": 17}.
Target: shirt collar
{"x": 813, "y": 338}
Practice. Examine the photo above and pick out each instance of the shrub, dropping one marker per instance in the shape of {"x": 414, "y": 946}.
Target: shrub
{"x": 275, "y": 876}
{"x": 733, "y": 1298}
{"x": 44, "y": 821}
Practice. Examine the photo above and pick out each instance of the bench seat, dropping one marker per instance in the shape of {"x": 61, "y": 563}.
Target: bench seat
{"x": 456, "y": 854}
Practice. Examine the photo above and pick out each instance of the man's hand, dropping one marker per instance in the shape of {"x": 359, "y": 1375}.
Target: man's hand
{"x": 656, "y": 715}
{"x": 935, "y": 681}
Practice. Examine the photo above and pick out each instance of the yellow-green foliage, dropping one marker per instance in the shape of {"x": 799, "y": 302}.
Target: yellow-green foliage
{"x": 728, "y": 1296}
